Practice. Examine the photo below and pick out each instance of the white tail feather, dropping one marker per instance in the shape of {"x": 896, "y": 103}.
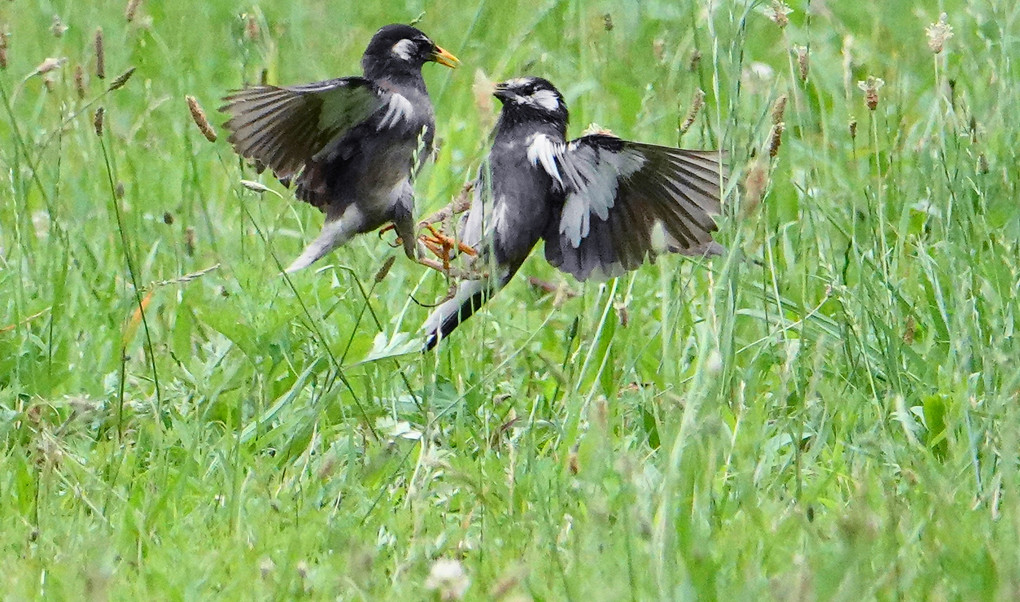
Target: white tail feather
{"x": 451, "y": 307}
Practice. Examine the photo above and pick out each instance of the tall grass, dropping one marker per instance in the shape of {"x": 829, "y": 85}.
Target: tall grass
{"x": 828, "y": 412}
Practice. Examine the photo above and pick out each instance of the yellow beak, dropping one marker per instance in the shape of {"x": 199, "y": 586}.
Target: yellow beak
{"x": 443, "y": 57}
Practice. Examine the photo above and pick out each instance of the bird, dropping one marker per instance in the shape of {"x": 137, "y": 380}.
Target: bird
{"x": 597, "y": 201}
{"x": 352, "y": 145}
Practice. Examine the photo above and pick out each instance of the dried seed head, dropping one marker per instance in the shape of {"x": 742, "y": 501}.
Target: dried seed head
{"x": 50, "y": 64}
{"x": 385, "y": 269}
{"x": 189, "y": 241}
{"x": 778, "y": 11}
{"x": 871, "y": 86}
{"x": 79, "y": 81}
{"x": 482, "y": 89}
{"x": 938, "y": 33}
{"x": 853, "y": 128}
{"x": 778, "y": 109}
{"x": 448, "y": 579}
{"x": 121, "y": 79}
{"x": 909, "y": 331}
{"x": 695, "y": 60}
{"x": 255, "y": 186}
{"x": 118, "y": 190}
{"x": 573, "y": 465}
{"x": 97, "y": 121}
{"x": 755, "y": 183}
{"x": 802, "y": 61}
{"x": 622, "y": 314}
{"x": 982, "y": 164}
{"x": 659, "y": 49}
{"x": 607, "y": 21}
{"x": 776, "y": 139}
{"x": 266, "y": 567}
{"x": 198, "y": 115}
{"x": 251, "y": 28}
{"x": 3, "y": 49}
{"x": 100, "y": 54}
{"x": 696, "y": 103}
{"x": 131, "y": 9}
{"x": 58, "y": 28}
{"x": 594, "y": 128}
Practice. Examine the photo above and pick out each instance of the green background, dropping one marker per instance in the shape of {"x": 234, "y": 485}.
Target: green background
{"x": 828, "y": 412}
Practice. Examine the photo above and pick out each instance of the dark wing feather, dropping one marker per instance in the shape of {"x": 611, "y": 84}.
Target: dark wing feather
{"x": 284, "y": 127}
{"x": 616, "y": 191}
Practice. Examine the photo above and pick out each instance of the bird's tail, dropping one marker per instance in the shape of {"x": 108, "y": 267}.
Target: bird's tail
{"x": 334, "y": 234}
{"x": 468, "y": 298}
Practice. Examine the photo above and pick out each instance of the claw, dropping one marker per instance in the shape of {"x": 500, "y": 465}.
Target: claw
{"x": 397, "y": 241}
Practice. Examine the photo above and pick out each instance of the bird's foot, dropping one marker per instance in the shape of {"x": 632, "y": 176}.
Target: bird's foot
{"x": 441, "y": 244}
{"x": 453, "y": 272}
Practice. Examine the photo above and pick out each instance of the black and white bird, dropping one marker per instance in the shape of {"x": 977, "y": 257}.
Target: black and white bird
{"x": 598, "y": 202}
{"x": 351, "y": 144}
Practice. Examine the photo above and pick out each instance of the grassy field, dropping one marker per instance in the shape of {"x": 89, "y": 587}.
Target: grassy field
{"x": 829, "y": 412}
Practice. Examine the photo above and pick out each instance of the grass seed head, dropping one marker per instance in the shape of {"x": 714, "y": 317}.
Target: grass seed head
{"x": 385, "y": 269}
{"x": 198, "y": 115}
{"x": 776, "y": 139}
{"x": 251, "y": 28}
{"x": 803, "y": 62}
{"x": 79, "y": 81}
{"x": 659, "y": 49}
{"x": 50, "y": 64}
{"x": 189, "y": 241}
{"x": 121, "y": 79}
{"x": 131, "y": 10}
{"x": 97, "y": 121}
{"x": 58, "y": 28}
{"x": 755, "y": 183}
{"x": 982, "y": 164}
{"x": 695, "y": 61}
{"x": 853, "y": 128}
{"x": 779, "y": 109}
{"x": 696, "y": 103}
{"x": 4, "y": 37}
{"x": 100, "y": 54}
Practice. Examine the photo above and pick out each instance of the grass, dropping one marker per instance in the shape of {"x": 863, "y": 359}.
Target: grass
{"x": 829, "y": 412}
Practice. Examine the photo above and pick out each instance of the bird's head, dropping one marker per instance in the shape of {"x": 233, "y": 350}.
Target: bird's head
{"x": 532, "y": 97}
{"x": 397, "y": 49}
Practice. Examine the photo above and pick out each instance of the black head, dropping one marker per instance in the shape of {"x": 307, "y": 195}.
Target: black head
{"x": 532, "y": 99}
{"x": 397, "y": 50}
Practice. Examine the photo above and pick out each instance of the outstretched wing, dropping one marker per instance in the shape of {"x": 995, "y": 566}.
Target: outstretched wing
{"x": 616, "y": 191}
{"x": 285, "y": 127}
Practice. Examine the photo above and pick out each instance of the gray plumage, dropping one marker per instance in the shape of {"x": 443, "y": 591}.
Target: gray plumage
{"x": 596, "y": 201}
{"x": 351, "y": 145}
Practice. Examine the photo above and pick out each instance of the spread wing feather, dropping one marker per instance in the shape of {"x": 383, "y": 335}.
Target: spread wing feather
{"x": 285, "y": 127}
{"x": 616, "y": 191}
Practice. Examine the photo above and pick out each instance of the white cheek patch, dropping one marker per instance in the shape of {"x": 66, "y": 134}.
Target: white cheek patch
{"x": 546, "y": 99}
{"x": 397, "y": 109}
{"x": 404, "y": 49}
